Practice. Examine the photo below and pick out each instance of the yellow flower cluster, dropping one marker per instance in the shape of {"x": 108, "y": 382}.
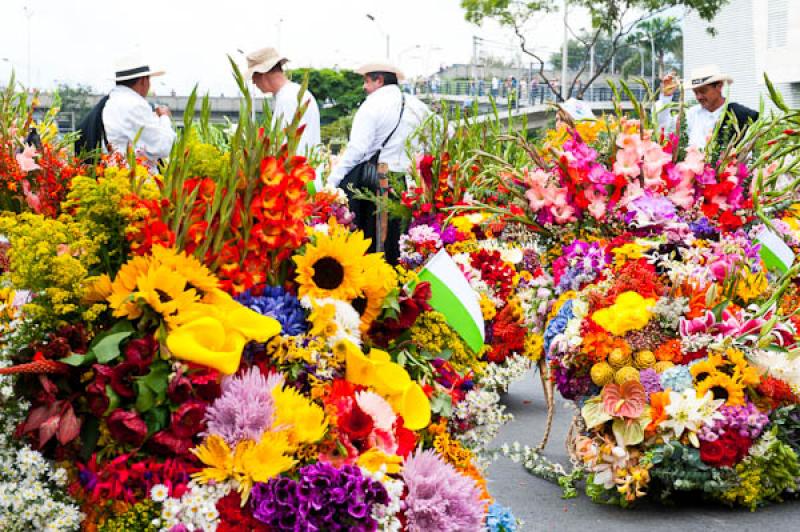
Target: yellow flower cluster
{"x": 626, "y": 252}
{"x": 751, "y": 285}
{"x": 52, "y": 258}
{"x": 488, "y": 308}
{"x": 205, "y": 160}
{"x": 630, "y": 312}
{"x": 534, "y": 346}
{"x": 452, "y": 450}
{"x": 432, "y": 333}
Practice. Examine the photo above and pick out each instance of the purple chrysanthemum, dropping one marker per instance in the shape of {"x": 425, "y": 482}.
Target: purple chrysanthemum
{"x": 279, "y": 304}
{"x": 439, "y": 497}
{"x": 245, "y": 408}
{"x": 322, "y": 498}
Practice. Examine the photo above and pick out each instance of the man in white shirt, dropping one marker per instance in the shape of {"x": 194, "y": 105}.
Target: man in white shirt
{"x": 127, "y": 114}
{"x": 265, "y": 69}
{"x": 707, "y": 83}
{"x": 381, "y": 127}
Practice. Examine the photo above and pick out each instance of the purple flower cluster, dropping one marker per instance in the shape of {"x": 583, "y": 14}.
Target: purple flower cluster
{"x": 651, "y": 381}
{"x": 322, "y": 498}
{"x": 747, "y": 420}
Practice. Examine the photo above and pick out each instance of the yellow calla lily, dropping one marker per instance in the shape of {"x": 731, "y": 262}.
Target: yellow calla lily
{"x": 205, "y": 341}
{"x": 414, "y": 406}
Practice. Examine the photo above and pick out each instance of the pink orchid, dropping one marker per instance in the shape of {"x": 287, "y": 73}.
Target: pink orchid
{"x": 627, "y": 163}
{"x": 25, "y": 159}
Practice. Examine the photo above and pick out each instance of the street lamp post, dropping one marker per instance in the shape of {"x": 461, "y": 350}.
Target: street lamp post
{"x": 28, "y": 15}
{"x": 380, "y": 29}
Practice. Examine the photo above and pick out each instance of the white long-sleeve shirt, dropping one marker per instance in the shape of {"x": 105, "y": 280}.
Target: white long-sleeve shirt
{"x": 285, "y": 108}
{"x": 700, "y": 123}
{"x": 125, "y": 113}
{"x": 372, "y": 123}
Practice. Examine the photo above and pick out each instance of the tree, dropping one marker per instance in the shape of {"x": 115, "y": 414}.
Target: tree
{"x": 577, "y": 52}
{"x": 75, "y": 100}
{"x": 662, "y": 34}
{"x": 610, "y": 19}
{"x": 338, "y": 93}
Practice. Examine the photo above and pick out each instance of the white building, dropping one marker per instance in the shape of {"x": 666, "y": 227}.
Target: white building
{"x": 752, "y": 37}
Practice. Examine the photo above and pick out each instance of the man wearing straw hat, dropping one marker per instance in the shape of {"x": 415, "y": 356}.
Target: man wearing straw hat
{"x": 707, "y": 83}
{"x": 381, "y": 127}
{"x": 127, "y": 114}
{"x": 265, "y": 70}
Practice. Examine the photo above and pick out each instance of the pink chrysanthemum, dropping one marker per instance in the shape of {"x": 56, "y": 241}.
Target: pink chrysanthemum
{"x": 439, "y": 497}
{"x": 378, "y": 409}
{"x": 245, "y": 409}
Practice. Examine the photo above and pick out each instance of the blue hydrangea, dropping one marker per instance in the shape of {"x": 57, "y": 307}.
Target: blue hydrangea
{"x": 678, "y": 378}
{"x": 279, "y": 304}
{"x": 500, "y": 519}
{"x": 557, "y": 325}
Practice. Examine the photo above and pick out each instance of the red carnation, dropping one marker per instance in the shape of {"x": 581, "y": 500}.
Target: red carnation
{"x": 356, "y": 423}
{"x": 127, "y": 427}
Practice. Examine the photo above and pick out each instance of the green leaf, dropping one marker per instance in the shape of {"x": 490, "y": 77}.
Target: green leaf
{"x": 78, "y": 360}
{"x": 442, "y": 404}
{"x": 90, "y": 433}
{"x": 152, "y": 388}
{"x": 107, "y": 349}
{"x": 113, "y": 400}
{"x": 156, "y": 419}
{"x": 445, "y": 355}
{"x": 594, "y": 413}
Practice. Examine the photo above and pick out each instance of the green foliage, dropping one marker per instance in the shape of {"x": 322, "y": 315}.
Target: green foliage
{"x": 75, "y": 99}
{"x": 338, "y": 131}
{"x": 338, "y": 92}
{"x": 679, "y": 466}
{"x": 140, "y": 517}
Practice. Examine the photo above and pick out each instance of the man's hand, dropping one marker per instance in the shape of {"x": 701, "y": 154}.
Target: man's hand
{"x": 669, "y": 84}
{"x": 163, "y": 110}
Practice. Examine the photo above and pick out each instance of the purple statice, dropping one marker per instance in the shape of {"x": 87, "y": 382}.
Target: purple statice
{"x": 747, "y": 420}
{"x": 579, "y": 264}
{"x": 702, "y": 228}
{"x": 439, "y": 497}
{"x": 651, "y": 381}
{"x": 322, "y": 498}
{"x": 531, "y": 261}
{"x": 279, "y": 304}
{"x": 648, "y": 210}
{"x": 245, "y": 408}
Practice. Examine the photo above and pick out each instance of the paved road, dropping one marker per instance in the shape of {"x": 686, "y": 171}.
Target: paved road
{"x": 540, "y": 505}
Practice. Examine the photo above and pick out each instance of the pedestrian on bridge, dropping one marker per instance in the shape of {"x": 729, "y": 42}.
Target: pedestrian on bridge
{"x": 126, "y": 114}
{"x": 265, "y": 70}
{"x": 381, "y": 127}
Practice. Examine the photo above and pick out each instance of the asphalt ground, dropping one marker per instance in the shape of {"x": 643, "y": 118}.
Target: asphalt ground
{"x": 540, "y": 505}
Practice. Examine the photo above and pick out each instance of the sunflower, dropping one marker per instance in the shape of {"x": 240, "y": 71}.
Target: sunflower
{"x": 196, "y": 274}
{"x": 748, "y": 373}
{"x": 706, "y": 367}
{"x": 123, "y": 286}
{"x": 379, "y": 279}
{"x": 165, "y": 291}
{"x": 723, "y": 386}
{"x": 331, "y": 265}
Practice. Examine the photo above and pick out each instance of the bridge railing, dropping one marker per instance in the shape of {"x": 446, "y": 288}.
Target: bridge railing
{"x": 524, "y": 95}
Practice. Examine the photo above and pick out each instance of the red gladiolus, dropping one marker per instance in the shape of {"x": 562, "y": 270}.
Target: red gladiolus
{"x": 127, "y": 427}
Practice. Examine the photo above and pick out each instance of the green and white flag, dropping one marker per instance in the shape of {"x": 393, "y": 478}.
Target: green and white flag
{"x": 452, "y": 295}
{"x": 774, "y": 251}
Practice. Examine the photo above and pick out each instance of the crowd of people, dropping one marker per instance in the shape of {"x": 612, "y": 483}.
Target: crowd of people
{"x": 382, "y": 125}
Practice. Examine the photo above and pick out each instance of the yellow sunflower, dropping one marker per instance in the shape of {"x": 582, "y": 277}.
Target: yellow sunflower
{"x": 749, "y": 374}
{"x": 196, "y": 274}
{"x": 723, "y": 386}
{"x": 123, "y": 286}
{"x": 379, "y": 279}
{"x": 331, "y": 265}
{"x": 704, "y": 368}
{"x": 165, "y": 291}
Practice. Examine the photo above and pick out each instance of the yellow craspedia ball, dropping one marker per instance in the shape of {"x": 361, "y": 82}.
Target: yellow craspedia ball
{"x": 662, "y": 365}
{"x": 602, "y": 373}
{"x": 644, "y": 359}
{"x": 619, "y": 358}
{"x": 626, "y": 374}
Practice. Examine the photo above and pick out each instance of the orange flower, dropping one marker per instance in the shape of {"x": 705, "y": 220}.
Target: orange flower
{"x": 658, "y": 404}
{"x": 669, "y": 350}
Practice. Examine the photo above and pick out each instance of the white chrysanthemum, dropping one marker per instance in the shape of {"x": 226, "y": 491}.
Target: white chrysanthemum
{"x": 159, "y": 493}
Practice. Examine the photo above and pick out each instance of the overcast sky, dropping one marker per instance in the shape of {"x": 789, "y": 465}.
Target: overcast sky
{"x": 79, "y": 40}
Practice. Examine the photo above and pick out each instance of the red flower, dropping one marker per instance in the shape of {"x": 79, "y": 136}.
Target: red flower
{"x": 406, "y": 439}
{"x": 426, "y": 170}
{"x": 180, "y": 388}
{"x": 729, "y": 449}
{"x": 96, "y": 391}
{"x": 234, "y": 518}
{"x": 140, "y": 351}
{"x": 122, "y": 379}
{"x": 712, "y": 452}
{"x": 187, "y": 421}
{"x": 127, "y": 427}
{"x": 356, "y": 423}
{"x": 165, "y": 443}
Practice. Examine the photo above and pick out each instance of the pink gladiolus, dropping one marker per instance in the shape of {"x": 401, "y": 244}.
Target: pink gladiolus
{"x": 597, "y": 203}
{"x": 627, "y": 163}
{"x": 538, "y": 197}
{"x": 630, "y": 142}
{"x": 561, "y": 210}
{"x": 25, "y": 159}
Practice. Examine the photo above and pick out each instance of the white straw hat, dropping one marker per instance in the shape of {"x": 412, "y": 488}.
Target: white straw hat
{"x": 263, "y": 60}
{"x": 380, "y": 67}
{"x": 705, "y": 75}
{"x": 132, "y": 67}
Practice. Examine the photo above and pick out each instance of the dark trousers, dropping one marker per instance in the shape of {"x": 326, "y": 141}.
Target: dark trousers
{"x": 366, "y": 220}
